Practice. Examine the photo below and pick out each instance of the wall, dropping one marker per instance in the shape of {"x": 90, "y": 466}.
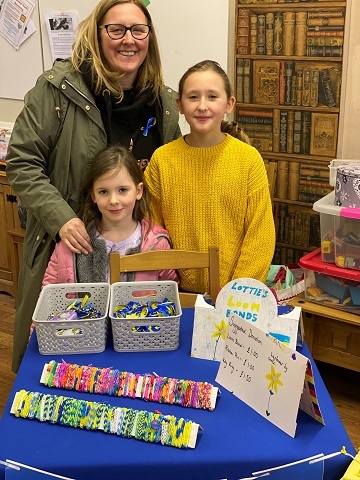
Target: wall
{"x": 188, "y": 31}
{"x": 349, "y": 138}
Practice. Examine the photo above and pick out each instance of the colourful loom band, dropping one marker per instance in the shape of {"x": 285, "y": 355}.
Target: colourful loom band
{"x": 149, "y": 387}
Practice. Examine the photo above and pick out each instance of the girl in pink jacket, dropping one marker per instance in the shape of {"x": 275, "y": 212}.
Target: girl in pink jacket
{"x": 117, "y": 216}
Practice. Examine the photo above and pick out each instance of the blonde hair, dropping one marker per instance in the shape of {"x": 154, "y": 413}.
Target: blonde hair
{"x": 87, "y": 50}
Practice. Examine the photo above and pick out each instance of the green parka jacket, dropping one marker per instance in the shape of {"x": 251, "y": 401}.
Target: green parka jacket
{"x": 54, "y": 138}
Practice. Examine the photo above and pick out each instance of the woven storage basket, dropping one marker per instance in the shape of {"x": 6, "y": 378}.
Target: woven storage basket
{"x": 71, "y": 336}
{"x": 167, "y": 335}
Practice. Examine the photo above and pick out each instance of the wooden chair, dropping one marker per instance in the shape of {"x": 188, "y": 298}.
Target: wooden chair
{"x": 271, "y": 174}
{"x": 168, "y": 260}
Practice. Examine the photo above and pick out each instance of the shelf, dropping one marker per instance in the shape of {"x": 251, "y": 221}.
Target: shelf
{"x": 289, "y": 107}
{"x": 288, "y": 101}
{"x": 280, "y": 7}
{"x": 291, "y": 58}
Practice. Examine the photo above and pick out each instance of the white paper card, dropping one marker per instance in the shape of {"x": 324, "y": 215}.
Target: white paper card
{"x": 263, "y": 372}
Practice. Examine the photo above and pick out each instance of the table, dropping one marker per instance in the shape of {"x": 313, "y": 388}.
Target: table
{"x": 235, "y": 440}
{"x": 332, "y": 335}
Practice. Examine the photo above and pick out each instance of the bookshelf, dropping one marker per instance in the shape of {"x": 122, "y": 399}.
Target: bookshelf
{"x": 288, "y": 76}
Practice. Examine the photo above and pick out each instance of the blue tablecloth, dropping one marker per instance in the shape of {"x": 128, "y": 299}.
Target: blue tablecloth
{"x": 235, "y": 440}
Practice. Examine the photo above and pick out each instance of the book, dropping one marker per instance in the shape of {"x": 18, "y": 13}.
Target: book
{"x": 312, "y": 51}
{"x": 325, "y": 14}
{"x": 262, "y": 144}
{"x": 314, "y": 87}
{"x": 289, "y": 72}
{"x": 266, "y": 82}
{"x": 314, "y": 189}
{"x": 335, "y": 76}
{"x": 282, "y": 83}
{"x": 247, "y": 81}
{"x": 243, "y": 32}
{"x": 300, "y": 33}
{"x": 283, "y": 215}
{"x": 323, "y": 134}
{"x": 260, "y": 39}
{"x": 326, "y": 90}
{"x": 276, "y": 130}
{"x": 294, "y": 176}
{"x": 324, "y": 32}
{"x": 240, "y": 80}
{"x": 293, "y": 88}
{"x": 253, "y": 33}
{"x": 290, "y": 133}
{"x": 306, "y": 131}
{"x": 262, "y": 123}
{"x": 315, "y": 234}
{"x": 309, "y": 197}
{"x": 305, "y": 230}
{"x": 298, "y": 227}
{"x": 299, "y": 87}
{"x": 252, "y": 112}
{"x": 325, "y": 28}
{"x": 291, "y": 236}
{"x": 282, "y": 179}
{"x": 325, "y": 41}
{"x": 305, "y": 99}
{"x": 278, "y": 33}
{"x": 283, "y": 131}
{"x": 288, "y": 33}
{"x": 269, "y": 33}
{"x": 314, "y": 171}
{"x": 297, "y": 131}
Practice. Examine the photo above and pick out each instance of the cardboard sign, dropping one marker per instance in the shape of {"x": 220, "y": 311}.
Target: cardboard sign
{"x": 251, "y": 300}
{"x": 266, "y": 374}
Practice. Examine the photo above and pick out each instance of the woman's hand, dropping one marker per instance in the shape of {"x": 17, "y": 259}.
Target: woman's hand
{"x": 75, "y": 236}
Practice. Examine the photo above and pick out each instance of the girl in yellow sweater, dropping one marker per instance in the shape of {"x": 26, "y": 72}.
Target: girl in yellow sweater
{"x": 208, "y": 188}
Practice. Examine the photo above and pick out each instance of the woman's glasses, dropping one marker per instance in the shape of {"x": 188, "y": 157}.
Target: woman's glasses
{"x": 116, "y": 31}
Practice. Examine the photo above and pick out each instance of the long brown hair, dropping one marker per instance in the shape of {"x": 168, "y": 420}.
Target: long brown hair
{"x": 110, "y": 159}
{"x": 232, "y": 128}
{"x": 87, "y": 49}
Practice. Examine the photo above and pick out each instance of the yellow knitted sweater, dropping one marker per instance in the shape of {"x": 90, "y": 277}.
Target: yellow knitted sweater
{"x": 215, "y": 196}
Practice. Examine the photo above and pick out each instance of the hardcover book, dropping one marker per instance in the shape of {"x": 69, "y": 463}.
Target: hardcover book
{"x": 314, "y": 87}
{"x": 269, "y": 33}
{"x": 278, "y": 33}
{"x": 266, "y": 82}
{"x": 240, "y": 80}
{"x": 323, "y": 134}
{"x": 288, "y": 33}
{"x": 326, "y": 90}
{"x": 243, "y": 33}
{"x": 247, "y": 81}
{"x": 300, "y": 33}
{"x": 260, "y": 40}
{"x": 306, "y": 130}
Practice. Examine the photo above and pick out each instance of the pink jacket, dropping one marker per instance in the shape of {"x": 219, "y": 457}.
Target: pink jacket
{"x": 61, "y": 267}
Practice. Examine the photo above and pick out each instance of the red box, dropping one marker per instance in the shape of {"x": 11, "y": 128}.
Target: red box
{"x": 329, "y": 285}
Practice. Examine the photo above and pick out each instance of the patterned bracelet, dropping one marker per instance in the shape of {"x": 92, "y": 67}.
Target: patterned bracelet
{"x": 125, "y": 422}
{"x": 150, "y": 387}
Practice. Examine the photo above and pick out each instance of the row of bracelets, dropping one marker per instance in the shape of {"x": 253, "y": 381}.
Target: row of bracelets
{"x": 186, "y": 393}
{"x": 122, "y": 421}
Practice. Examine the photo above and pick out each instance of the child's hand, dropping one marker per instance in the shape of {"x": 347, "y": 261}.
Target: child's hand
{"x": 32, "y": 328}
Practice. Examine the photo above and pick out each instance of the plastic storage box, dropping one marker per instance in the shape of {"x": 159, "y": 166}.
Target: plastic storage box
{"x": 148, "y": 333}
{"x": 328, "y": 213}
{"x": 340, "y": 233}
{"x": 71, "y": 336}
{"x": 330, "y": 285}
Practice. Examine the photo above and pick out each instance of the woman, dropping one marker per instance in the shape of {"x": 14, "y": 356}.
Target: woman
{"x": 111, "y": 91}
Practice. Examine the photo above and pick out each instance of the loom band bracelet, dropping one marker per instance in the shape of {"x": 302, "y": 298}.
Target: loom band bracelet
{"x": 167, "y": 389}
